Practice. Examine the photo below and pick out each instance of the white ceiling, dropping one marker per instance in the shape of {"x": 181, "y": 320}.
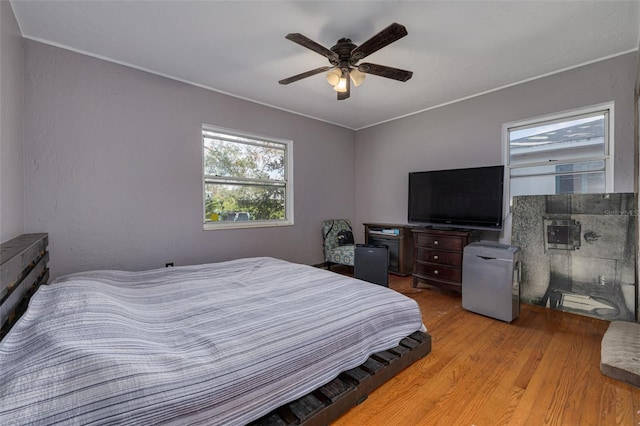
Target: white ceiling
{"x": 456, "y": 49}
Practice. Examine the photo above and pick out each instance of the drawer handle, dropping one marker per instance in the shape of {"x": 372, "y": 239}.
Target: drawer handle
{"x": 435, "y": 257}
{"x": 435, "y": 243}
{"x": 435, "y": 272}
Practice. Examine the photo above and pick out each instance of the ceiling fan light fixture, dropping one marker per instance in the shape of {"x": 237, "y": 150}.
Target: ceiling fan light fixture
{"x": 357, "y": 77}
{"x": 333, "y": 76}
{"x": 342, "y": 83}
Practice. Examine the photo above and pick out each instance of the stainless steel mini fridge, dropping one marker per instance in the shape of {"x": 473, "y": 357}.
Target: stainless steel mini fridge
{"x": 491, "y": 280}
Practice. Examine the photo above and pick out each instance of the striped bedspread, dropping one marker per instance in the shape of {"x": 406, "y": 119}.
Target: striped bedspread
{"x": 221, "y": 343}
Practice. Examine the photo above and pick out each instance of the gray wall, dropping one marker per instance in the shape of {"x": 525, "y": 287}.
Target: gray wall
{"x": 114, "y": 167}
{"x": 468, "y": 134}
{"x": 11, "y": 124}
{"x": 113, "y": 160}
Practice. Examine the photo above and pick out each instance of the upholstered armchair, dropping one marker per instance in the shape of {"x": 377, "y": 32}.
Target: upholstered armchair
{"x": 334, "y": 253}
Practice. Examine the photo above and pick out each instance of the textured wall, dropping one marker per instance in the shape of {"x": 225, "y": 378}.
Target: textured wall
{"x": 11, "y": 128}
{"x": 468, "y": 133}
{"x": 114, "y": 167}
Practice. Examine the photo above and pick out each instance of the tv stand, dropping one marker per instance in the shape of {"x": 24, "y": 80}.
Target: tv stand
{"x": 438, "y": 256}
{"x": 399, "y": 240}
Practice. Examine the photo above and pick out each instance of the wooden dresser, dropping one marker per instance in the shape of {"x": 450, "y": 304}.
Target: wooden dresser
{"x": 438, "y": 257}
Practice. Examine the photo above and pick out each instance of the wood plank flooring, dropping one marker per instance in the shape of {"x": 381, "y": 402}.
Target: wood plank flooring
{"x": 544, "y": 368}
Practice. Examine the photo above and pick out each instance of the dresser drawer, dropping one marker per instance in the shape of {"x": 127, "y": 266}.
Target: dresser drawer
{"x": 439, "y": 242}
{"x": 441, "y": 257}
{"x": 440, "y": 272}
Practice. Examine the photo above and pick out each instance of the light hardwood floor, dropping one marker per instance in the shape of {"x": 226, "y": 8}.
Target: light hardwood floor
{"x": 544, "y": 368}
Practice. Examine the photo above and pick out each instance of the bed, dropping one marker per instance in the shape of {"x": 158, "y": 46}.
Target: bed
{"x": 248, "y": 341}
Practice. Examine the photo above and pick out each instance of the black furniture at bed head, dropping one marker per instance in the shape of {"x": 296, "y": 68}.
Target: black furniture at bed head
{"x": 23, "y": 267}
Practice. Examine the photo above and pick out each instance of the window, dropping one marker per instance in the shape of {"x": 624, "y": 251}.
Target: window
{"x": 246, "y": 180}
{"x": 569, "y": 153}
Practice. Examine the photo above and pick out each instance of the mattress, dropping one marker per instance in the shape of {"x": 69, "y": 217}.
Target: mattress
{"x": 221, "y": 343}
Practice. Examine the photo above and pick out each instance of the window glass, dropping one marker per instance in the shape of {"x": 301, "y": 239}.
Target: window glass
{"x": 567, "y": 154}
{"x": 245, "y": 179}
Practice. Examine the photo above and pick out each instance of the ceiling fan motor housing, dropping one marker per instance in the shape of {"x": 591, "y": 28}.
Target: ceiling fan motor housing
{"x": 343, "y": 49}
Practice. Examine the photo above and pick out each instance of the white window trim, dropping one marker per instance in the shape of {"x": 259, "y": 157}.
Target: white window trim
{"x": 288, "y": 170}
{"x": 609, "y": 154}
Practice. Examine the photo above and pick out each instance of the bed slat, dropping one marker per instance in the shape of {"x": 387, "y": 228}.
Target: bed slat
{"x": 400, "y": 350}
{"x": 335, "y": 389}
{"x": 358, "y": 375}
{"x": 372, "y": 365}
{"x": 306, "y": 407}
{"x": 386, "y": 357}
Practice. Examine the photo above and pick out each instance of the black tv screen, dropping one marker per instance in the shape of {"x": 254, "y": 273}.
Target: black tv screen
{"x": 460, "y": 198}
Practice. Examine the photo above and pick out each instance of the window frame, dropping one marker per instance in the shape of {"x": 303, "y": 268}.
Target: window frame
{"x": 288, "y": 181}
{"x": 607, "y": 108}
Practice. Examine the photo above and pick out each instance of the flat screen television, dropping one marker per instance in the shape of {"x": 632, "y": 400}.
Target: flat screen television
{"x": 460, "y": 198}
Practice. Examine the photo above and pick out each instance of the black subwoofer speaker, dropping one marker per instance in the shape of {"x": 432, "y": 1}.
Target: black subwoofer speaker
{"x": 372, "y": 264}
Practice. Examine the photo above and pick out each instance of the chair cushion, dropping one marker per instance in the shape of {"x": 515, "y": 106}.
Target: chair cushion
{"x": 344, "y": 255}
{"x": 620, "y": 352}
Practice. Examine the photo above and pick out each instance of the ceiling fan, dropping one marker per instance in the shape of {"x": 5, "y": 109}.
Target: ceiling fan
{"x": 344, "y": 57}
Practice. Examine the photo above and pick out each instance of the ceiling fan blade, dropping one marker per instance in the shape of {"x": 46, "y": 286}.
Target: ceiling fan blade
{"x": 312, "y": 45}
{"x": 387, "y": 36}
{"x": 304, "y": 75}
{"x": 383, "y": 71}
{"x": 345, "y": 95}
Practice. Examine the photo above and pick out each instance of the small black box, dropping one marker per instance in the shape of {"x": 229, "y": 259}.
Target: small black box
{"x": 372, "y": 264}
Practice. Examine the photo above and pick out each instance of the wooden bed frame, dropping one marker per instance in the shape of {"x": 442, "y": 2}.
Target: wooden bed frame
{"x": 23, "y": 268}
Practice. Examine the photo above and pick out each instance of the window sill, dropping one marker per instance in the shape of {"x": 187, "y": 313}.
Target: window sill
{"x": 216, "y": 226}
